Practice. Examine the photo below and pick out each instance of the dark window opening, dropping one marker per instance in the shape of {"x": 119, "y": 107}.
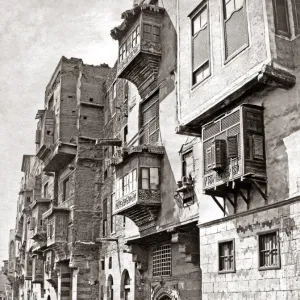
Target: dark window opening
{"x": 226, "y": 256}
{"x": 269, "y": 251}
{"x": 91, "y": 99}
{"x": 187, "y": 163}
{"x": 104, "y": 222}
{"x": 110, "y": 262}
{"x": 66, "y": 189}
{"x": 281, "y": 17}
{"x": 46, "y": 190}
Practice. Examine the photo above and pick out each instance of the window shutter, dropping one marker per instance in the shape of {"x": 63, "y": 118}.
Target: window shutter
{"x": 200, "y": 47}
{"x": 104, "y": 209}
{"x": 281, "y": 17}
{"x": 236, "y": 32}
{"x": 296, "y": 10}
{"x": 31, "y": 223}
{"x": 258, "y": 146}
{"x": 38, "y": 136}
{"x": 232, "y": 146}
{"x": 220, "y": 155}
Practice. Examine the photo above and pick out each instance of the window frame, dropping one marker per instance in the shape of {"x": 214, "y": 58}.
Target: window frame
{"x": 287, "y": 15}
{"x": 112, "y": 216}
{"x": 242, "y": 48}
{"x": 183, "y": 161}
{"x": 265, "y": 233}
{"x": 233, "y": 270}
{"x": 192, "y": 17}
{"x": 149, "y": 178}
{"x": 46, "y": 190}
{"x": 66, "y": 180}
{"x": 152, "y": 25}
{"x": 104, "y": 217}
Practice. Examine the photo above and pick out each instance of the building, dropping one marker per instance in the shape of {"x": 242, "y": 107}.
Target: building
{"x": 150, "y": 243}
{"x": 238, "y": 91}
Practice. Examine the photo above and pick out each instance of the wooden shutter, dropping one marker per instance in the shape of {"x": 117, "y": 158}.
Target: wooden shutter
{"x": 296, "y": 11}
{"x": 220, "y": 155}
{"x": 258, "y": 146}
{"x": 200, "y": 48}
{"x": 281, "y": 17}
{"x": 105, "y": 209}
{"x": 232, "y": 146}
{"x": 38, "y": 136}
{"x": 236, "y": 32}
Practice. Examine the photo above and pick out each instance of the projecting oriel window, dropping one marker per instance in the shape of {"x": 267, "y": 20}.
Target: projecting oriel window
{"x": 200, "y": 45}
{"x": 162, "y": 260}
{"x": 226, "y": 256}
{"x": 235, "y": 27}
{"x": 269, "y": 256}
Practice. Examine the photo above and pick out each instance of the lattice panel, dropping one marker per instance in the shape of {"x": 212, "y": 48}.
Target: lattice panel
{"x": 230, "y": 120}
{"x": 162, "y": 260}
{"x": 211, "y": 130}
{"x": 297, "y": 14}
{"x": 200, "y": 48}
{"x": 236, "y": 32}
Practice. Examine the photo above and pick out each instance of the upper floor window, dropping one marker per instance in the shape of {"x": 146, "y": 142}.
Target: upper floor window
{"x": 151, "y": 32}
{"x": 104, "y": 224}
{"x": 187, "y": 163}
{"x": 132, "y": 40}
{"x": 269, "y": 250}
{"x": 126, "y": 184}
{"x": 112, "y": 216}
{"x": 281, "y": 17}
{"x": 66, "y": 189}
{"x": 150, "y": 121}
{"x": 200, "y": 45}
{"x": 45, "y": 190}
{"x": 150, "y": 178}
{"x": 235, "y": 27}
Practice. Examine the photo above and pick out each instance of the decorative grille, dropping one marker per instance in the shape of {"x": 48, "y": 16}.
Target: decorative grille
{"x": 226, "y": 256}
{"x": 297, "y": 14}
{"x": 162, "y": 260}
{"x": 236, "y": 32}
{"x": 268, "y": 250}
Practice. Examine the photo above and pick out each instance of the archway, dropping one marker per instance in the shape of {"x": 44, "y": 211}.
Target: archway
{"x": 48, "y": 298}
{"x": 125, "y": 286}
{"x": 164, "y": 298}
{"x": 110, "y": 288}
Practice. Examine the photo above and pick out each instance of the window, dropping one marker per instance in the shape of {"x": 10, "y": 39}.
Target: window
{"x": 126, "y": 90}
{"x": 104, "y": 224}
{"x": 200, "y": 46}
{"x": 162, "y": 260}
{"x": 151, "y": 32}
{"x": 112, "y": 216}
{"x": 269, "y": 251}
{"x": 150, "y": 121}
{"x": 102, "y": 263}
{"x": 28, "y": 199}
{"x": 226, "y": 256}
{"x": 296, "y": 12}
{"x": 235, "y": 27}
{"x": 150, "y": 178}
{"x": 281, "y": 17}
{"x": 110, "y": 262}
{"x": 136, "y": 36}
{"x": 187, "y": 163}
{"x": 110, "y": 289}
{"x": 126, "y": 184}
{"x": 45, "y": 190}
{"x": 66, "y": 189}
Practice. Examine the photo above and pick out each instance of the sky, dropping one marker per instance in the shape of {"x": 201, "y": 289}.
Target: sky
{"x": 34, "y": 34}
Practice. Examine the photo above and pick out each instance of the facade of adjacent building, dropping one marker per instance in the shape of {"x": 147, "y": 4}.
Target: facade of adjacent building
{"x": 174, "y": 174}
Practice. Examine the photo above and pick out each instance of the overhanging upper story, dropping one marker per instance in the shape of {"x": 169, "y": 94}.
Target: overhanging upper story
{"x": 140, "y": 46}
{"x": 229, "y": 50}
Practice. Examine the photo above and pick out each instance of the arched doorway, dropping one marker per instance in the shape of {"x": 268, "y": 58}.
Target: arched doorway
{"x": 164, "y": 298}
{"x": 48, "y": 298}
{"x": 125, "y": 286}
{"x": 110, "y": 288}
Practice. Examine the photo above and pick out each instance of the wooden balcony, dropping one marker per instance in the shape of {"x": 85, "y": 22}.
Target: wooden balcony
{"x": 138, "y": 184}
{"x": 57, "y": 220}
{"x": 37, "y": 270}
{"x": 140, "y": 48}
{"x": 36, "y": 224}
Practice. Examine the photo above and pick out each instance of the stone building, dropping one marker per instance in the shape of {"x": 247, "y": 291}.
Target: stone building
{"x": 150, "y": 238}
{"x": 238, "y": 70}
